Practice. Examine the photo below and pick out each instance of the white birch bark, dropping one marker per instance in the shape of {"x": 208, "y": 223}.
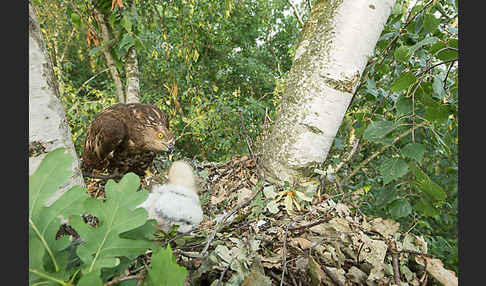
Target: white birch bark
{"x": 132, "y": 92}
{"x": 48, "y": 128}
{"x": 335, "y": 45}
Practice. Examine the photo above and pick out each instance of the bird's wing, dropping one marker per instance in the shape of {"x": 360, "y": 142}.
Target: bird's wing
{"x": 105, "y": 135}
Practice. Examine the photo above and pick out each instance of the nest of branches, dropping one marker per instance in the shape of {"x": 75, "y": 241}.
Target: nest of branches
{"x": 251, "y": 236}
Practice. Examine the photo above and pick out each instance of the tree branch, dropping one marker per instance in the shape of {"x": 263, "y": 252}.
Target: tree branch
{"x": 296, "y": 13}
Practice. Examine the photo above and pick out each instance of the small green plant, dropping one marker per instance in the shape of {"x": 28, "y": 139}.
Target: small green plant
{"x": 122, "y": 233}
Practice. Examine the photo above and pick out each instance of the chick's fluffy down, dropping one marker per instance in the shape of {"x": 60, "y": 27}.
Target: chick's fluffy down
{"x": 174, "y": 205}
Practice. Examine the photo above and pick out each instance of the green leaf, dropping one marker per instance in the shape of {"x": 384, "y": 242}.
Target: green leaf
{"x": 438, "y": 87}
{"x": 90, "y": 279}
{"x": 94, "y": 51}
{"x": 102, "y": 246}
{"x": 424, "y": 42}
{"x": 426, "y": 208}
{"x": 448, "y": 54}
{"x": 377, "y": 130}
{"x": 76, "y": 19}
{"x": 403, "y": 82}
{"x": 400, "y": 208}
{"x": 437, "y": 112}
{"x": 44, "y": 221}
{"x": 414, "y": 150}
{"x": 430, "y": 24}
{"x": 165, "y": 270}
{"x": 424, "y": 184}
{"x": 127, "y": 23}
{"x": 403, "y": 106}
{"x": 392, "y": 169}
{"x": 402, "y": 54}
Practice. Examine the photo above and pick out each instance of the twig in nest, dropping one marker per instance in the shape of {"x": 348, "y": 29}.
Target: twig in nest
{"x": 359, "y": 252}
{"x": 246, "y": 133}
{"x": 220, "y": 281}
{"x": 293, "y": 278}
{"x": 416, "y": 253}
{"x": 218, "y": 225}
{"x": 319, "y": 221}
{"x": 350, "y": 154}
{"x": 99, "y": 176}
{"x": 332, "y": 276}
{"x": 396, "y": 270}
{"x": 284, "y": 254}
{"x": 277, "y": 278}
{"x": 121, "y": 279}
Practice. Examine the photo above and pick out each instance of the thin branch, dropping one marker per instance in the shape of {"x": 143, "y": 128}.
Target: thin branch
{"x": 362, "y": 164}
{"x": 284, "y": 253}
{"x": 100, "y": 176}
{"x": 246, "y": 134}
{"x": 350, "y": 154}
{"x": 121, "y": 279}
{"x": 296, "y": 13}
{"x": 218, "y": 225}
{"x": 90, "y": 79}
{"x": 447, "y": 74}
{"x": 395, "y": 263}
{"x": 319, "y": 221}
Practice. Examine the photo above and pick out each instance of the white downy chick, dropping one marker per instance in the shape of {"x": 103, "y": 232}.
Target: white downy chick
{"x": 177, "y": 202}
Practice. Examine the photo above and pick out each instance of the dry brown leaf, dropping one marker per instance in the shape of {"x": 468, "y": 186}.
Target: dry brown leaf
{"x": 243, "y": 195}
{"x": 116, "y": 3}
{"x": 302, "y": 242}
{"x": 385, "y": 227}
{"x": 435, "y": 267}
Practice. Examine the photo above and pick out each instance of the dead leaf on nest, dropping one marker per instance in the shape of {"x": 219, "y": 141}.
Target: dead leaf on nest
{"x": 385, "y": 227}
{"x": 243, "y": 195}
{"x": 435, "y": 267}
{"x": 302, "y": 242}
{"x": 217, "y": 199}
{"x": 315, "y": 272}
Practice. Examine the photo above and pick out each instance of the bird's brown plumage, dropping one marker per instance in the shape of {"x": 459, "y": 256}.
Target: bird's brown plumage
{"x": 126, "y": 138}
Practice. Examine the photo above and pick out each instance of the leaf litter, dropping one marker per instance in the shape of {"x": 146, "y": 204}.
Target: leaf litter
{"x": 324, "y": 243}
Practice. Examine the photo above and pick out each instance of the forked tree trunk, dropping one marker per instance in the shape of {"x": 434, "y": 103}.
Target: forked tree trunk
{"x": 48, "y": 128}
{"x": 336, "y": 42}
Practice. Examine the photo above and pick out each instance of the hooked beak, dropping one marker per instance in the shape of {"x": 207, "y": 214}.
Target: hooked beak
{"x": 170, "y": 147}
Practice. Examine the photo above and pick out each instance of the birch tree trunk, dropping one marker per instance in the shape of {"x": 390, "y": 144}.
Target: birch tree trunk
{"x": 48, "y": 128}
{"x": 133, "y": 86}
{"x": 335, "y": 45}
{"x": 132, "y": 92}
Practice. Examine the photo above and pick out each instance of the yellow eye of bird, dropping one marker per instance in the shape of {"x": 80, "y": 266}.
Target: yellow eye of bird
{"x": 160, "y": 135}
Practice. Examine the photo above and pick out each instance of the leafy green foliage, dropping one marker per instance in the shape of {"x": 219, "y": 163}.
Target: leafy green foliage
{"x": 44, "y": 220}
{"x": 392, "y": 169}
{"x": 414, "y": 82}
{"x": 102, "y": 245}
{"x": 165, "y": 270}
{"x": 122, "y": 232}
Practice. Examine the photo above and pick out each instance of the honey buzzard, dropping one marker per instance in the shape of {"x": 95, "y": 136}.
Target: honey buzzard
{"x": 126, "y": 138}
